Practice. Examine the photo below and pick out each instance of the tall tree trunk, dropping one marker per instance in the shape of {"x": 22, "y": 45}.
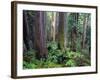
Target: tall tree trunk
{"x": 26, "y": 30}
{"x": 57, "y": 24}
{"x": 84, "y": 31}
{"x": 65, "y": 29}
{"x": 74, "y": 31}
{"x": 45, "y": 26}
{"x": 61, "y": 30}
{"x": 53, "y": 25}
{"x": 40, "y": 41}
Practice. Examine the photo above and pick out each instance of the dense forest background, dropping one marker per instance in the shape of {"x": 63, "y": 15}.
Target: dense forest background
{"x": 56, "y": 39}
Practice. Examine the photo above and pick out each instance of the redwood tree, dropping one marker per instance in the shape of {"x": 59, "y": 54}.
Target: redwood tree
{"x": 40, "y": 41}
{"x": 61, "y": 30}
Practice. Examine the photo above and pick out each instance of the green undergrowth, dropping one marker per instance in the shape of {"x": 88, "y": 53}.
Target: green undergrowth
{"x": 56, "y": 58}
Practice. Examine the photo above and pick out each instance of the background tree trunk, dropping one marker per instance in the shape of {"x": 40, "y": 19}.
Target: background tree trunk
{"x": 26, "y": 31}
{"x": 53, "y": 25}
{"x": 40, "y": 41}
{"x": 84, "y": 31}
{"x": 65, "y": 29}
{"x": 74, "y": 31}
{"x": 61, "y": 30}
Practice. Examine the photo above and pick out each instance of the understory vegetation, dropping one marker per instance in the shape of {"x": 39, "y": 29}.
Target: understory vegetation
{"x": 56, "y": 58}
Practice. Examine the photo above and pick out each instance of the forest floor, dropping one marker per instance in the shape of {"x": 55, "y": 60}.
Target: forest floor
{"x": 56, "y": 58}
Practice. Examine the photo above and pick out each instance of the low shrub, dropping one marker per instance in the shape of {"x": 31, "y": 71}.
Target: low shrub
{"x": 56, "y": 58}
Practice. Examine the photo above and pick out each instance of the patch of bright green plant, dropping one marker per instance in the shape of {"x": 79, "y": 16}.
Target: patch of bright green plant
{"x": 70, "y": 63}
